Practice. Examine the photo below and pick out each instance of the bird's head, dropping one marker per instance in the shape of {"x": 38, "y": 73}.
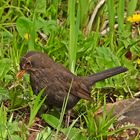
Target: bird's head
{"x": 32, "y": 61}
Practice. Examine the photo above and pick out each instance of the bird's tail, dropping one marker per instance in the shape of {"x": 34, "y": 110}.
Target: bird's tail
{"x": 105, "y": 74}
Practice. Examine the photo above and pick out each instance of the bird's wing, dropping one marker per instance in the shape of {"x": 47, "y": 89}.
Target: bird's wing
{"x": 64, "y": 82}
{"x": 75, "y": 85}
{"x": 80, "y": 90}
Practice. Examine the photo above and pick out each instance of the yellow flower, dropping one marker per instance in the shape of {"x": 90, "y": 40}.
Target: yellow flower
{"x": 134, "y": 18}
{"x": 138, "y": 61}
{"x": 26, "y": 36}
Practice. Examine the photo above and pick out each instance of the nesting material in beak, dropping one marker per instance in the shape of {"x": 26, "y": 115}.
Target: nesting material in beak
{"x": 20, "y": 74}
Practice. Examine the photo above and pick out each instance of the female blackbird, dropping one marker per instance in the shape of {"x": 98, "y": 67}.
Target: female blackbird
{"x": 57, "y": 80}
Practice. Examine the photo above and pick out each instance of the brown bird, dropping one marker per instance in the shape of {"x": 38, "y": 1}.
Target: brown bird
{"x": 56, "y": 79}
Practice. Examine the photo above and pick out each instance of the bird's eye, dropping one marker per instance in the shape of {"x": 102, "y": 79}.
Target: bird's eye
{"x": 28, "y": 63}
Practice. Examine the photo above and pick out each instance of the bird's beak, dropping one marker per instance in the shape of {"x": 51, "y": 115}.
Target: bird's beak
{"x": 20, "y": 74}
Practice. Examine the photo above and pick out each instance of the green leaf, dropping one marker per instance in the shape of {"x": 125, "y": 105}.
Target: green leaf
{"x": 74, "y": 134}
{"x": 51, "y": 120}
{"x": 23, "y": 26}
{"x": 40, "y": 6}
{"x": 14, "y": 137}
{"x": 45, "y": 134}
{"x": 13, "y": 127}
{"x": 4, "y": 67}
{"x": 107, "y": 58}
{"x": 132, "y": 4}
{"x": 3, "y": 122}
{"x": 3, "y": 94}
{"x": 49, "y": 27}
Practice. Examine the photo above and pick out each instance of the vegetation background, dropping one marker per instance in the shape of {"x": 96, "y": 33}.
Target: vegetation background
{"x": 86, "y": 36}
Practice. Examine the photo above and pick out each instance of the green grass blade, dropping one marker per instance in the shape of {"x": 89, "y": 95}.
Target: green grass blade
{"x": 120, "y": 12}
{"x": 72, "y": 35}
{"x": 111, "y": 18}
{"x": 37, "y": 103}
{"x": 111, "y": 14}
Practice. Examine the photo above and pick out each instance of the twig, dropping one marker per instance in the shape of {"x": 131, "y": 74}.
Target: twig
{"x": 98, "y": 6}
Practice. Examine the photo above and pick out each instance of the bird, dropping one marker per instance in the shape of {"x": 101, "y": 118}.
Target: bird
{"x": 57, "y": 81}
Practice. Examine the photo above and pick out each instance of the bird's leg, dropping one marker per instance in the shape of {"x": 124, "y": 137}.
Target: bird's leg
{"x": 49, "y": 107}
{"x": 67, "y": 120}
{"x": 44, "y": 109}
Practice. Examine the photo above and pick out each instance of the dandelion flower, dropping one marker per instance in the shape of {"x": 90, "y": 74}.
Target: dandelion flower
{"x": 138, "y": 61}
{"x": 134, "y": 18}
{"x": 26, "y": 36}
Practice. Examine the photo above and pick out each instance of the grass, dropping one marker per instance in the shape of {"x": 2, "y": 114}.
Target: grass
{"x": 58, "y": 28}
